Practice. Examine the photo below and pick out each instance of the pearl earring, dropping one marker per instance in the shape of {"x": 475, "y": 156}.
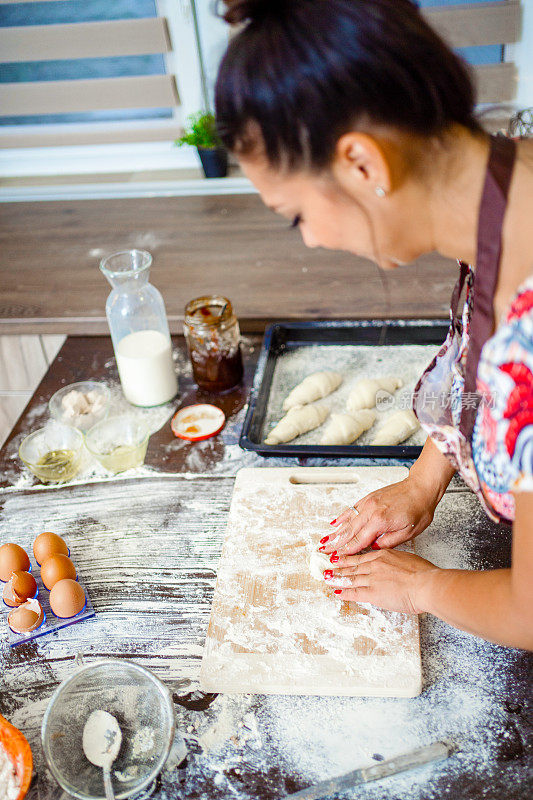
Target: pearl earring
{"x": 380, "y": 191}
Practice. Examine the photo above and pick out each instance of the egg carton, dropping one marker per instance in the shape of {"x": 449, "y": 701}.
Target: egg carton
{"x": 50, "y": 623}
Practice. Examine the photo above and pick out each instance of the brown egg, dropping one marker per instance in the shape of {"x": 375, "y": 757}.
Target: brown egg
{"x": 46, "y": 544}
{"x": 67, "y": 598}
{"x": 26, "y": 617}
{"x": 19, "y": 588}
{"x": 12, "y": 558}
{"x": 55, "y": 568}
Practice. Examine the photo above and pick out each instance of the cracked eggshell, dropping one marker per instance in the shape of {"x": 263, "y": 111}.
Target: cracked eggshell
{"x": 56, "y": 568}
{"x": 27, "y": 617}
{"x": 67, "y": 598}
{"x": 21, "y": 587}
{"x": 46, "y": 544}
{"x": 12, "y": 558}
{"x": 198, "y": 422}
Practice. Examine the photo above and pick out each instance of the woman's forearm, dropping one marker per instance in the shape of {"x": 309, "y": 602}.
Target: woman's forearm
{"x": 497, "y": 604}
{"x": 433, "y": 471}
{"x": 482, "y": 603}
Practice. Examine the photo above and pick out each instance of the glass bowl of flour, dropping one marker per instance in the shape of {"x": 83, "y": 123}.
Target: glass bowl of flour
{"x": 144, "y": 710}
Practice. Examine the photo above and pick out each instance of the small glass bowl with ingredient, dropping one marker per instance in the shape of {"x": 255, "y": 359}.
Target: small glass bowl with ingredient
{"x": 118, "y": 443}
{"x": 53, "y": 453}
{"x": 81, "y": 404}
{"x": 144, "y": 711}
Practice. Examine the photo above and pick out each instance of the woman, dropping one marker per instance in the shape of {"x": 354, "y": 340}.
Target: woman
{"x": 356, "y": 122}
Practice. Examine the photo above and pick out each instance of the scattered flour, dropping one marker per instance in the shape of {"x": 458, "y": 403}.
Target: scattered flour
{"x": 275, "y": 623}
{"x": 229, "y": 456}
{"x": 9, "y": 782}
{"x": 466, "y": 699}
{"x": 143, "y": 742}
{"x": 91, "y": 470}
{"x": 317, "y": 738}
{"x": 265, "y": 738}
{"x": 129, "y": 774}
{"x": 354, "y": 362}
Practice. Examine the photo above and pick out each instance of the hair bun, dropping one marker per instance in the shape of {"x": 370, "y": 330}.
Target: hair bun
{"x": 239, "y": 11}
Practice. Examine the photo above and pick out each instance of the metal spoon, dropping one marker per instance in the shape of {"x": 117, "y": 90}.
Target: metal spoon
{"x": 102, "y": 738}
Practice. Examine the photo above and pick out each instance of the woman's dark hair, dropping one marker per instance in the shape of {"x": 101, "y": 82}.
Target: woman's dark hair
{"x": 304, "y": 72}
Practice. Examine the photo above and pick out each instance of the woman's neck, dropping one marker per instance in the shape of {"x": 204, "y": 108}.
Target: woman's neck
{"x": 454, "y": 199}
{"x": 455, "y": 193}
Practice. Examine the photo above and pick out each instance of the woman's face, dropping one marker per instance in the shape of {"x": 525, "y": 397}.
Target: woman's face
{"x": 345, "y": 215}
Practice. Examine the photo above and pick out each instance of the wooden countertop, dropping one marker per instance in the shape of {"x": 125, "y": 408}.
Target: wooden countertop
{"x": 147, "y": 549}
{"x": 230, "y": 245}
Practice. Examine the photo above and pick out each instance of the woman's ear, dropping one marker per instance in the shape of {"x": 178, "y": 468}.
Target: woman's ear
{"x": 362, "y": 163}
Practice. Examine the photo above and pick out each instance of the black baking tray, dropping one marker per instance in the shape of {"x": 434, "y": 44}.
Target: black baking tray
{"x": 282, "y": 336}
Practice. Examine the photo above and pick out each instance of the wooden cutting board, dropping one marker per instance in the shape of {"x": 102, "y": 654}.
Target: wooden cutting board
{"x": 273, "y": 628}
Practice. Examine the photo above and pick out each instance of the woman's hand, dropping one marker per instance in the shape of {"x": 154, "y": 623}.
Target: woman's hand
{"x": 389, "y": 579}
{"x": 395, "y": 514}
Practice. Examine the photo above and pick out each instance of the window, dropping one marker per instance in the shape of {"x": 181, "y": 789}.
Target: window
{"x": 107, "y": 85}
{"x": 99, "y": 86}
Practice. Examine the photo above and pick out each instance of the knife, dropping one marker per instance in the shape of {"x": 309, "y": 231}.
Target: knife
{"x": 437, "y": 751}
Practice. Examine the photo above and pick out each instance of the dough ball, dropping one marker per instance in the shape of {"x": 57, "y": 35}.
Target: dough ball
{"x": 317, "y": 564}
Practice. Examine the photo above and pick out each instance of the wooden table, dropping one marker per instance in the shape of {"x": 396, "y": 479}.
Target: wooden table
{"x": 231, "y": 245}
{"x": 147, "y": 549}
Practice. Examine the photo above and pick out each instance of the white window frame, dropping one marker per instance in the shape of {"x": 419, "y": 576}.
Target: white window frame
{"x": 183, "y": 62}
{"x": 521, "y": 54}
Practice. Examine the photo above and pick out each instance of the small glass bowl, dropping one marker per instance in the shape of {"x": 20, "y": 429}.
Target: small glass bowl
{"x": 53, "y": 453}
{"x": 118, "y": 443}
{"x": 144, "y": 710}
{"x": 76, "y": 420}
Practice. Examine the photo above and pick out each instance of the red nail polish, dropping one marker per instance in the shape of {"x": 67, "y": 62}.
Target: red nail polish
{"x": 324, "y": 540}
{"x": 375, "y": 546}
{"x": 333, "y": 522}
{"x": 320, "y": 549}
{"x": 338, "y": 591}
{"x": 328, "y": 573}
{"x": 334, "y": 559}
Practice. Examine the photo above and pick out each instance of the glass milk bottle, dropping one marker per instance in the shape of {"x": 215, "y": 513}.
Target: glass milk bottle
{"x": 139, "y": 330}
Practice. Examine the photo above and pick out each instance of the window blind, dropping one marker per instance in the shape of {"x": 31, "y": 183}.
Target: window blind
{"x": 130, "y": 105}
{"x": 478, "y": 25}
{"x": 467, "y": 25}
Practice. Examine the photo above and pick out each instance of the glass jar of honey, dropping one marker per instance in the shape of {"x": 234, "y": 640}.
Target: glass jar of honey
{"x": 213, "y": 338}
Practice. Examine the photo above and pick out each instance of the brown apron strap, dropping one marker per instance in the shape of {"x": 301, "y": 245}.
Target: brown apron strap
{"x": 457, "y": 289}
{"x": 489, "y": 243}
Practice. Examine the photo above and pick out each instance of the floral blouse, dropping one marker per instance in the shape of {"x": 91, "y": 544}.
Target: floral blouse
{"x": 502, "y": 440}
{"x": 501, "y": 458}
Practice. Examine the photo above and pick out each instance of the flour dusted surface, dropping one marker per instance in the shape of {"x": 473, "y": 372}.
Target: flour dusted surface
{"x": 263, "y": 746}
{"x": 276, "y": 629}
{"x": 470, "y": 696}
{"x": 354, "y": 362}
{"x": 90, "y": 470}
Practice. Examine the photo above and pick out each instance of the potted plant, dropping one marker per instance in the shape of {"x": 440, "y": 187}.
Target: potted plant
{"x": 201, "y": 132}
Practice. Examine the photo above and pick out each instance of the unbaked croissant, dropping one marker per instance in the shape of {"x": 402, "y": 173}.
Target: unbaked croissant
{"x": 314, "y": 387}
{"x": 297, "y": 421}
{"x": 346, "y": 428}
{"x": 397, "y": 427}
{"x": 363, "y": 395}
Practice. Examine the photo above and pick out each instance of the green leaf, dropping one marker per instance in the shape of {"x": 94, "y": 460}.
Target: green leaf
{"x": 201, "y": 131}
